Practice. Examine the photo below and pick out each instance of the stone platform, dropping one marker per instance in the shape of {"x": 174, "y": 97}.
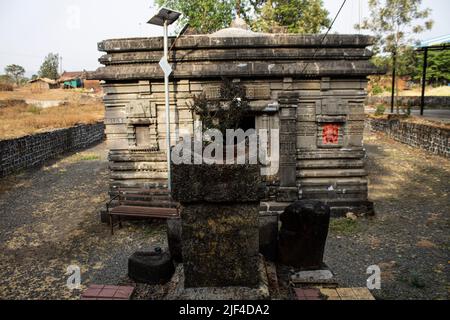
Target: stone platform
{"x": 259, "y": 292}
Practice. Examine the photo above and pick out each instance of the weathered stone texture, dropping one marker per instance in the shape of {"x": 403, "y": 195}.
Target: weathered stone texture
{"x": 220, "y": 245}
{"x": 216, "y": 183}
{"x": 220, "y": 225}
{"x": 323, "y": 92}
{"x": 433, "y": 139}
{"x": 34, "y": 150}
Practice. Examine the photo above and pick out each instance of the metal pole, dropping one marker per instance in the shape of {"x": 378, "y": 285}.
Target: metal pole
{"x": 166, "y": 88}
{"x": 424, "y": 80}
{"x": 394, "y": 63}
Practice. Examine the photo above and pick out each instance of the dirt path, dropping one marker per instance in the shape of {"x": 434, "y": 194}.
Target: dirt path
{"x": 409, "y": 236}
{"x": 50, "y": 220}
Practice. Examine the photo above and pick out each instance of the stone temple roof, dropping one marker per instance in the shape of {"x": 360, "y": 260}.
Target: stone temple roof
{"x": 237, "y": 52}
{"x": 238, "y": 28}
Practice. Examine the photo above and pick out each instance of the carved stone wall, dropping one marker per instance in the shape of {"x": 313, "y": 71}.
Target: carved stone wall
{"x": 315, "y": 100}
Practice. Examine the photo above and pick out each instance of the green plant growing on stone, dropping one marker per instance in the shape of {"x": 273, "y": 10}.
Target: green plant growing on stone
{"x": 226, "y": 111}
{"x": 381, "y": 108}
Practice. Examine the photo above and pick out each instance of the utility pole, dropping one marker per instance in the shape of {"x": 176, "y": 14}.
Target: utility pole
{"x": 424, "y": 80}
{"x": 394, "y": 64}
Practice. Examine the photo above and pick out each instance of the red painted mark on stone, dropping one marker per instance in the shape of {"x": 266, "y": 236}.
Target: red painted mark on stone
{"x": 330, "y": 134}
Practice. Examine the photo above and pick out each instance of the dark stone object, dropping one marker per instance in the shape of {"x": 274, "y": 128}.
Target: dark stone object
{"x": 174, "y": 239}
{"x": 268, "y": 236}
{"x": 216, "y": 183}
{"x": 303, "y": 234}
{"x": 155, "y": 267}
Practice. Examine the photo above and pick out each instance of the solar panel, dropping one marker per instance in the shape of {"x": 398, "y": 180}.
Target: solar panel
{"x": 165, "y": 14}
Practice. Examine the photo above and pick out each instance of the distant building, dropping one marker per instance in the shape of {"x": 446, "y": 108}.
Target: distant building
{"x": 42, "y": 84}
{"x": 74, "y": 79}
{"x": 77, "y": 79}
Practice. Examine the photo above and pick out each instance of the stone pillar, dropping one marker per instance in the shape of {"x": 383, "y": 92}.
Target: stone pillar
{"x": 220, "y": 228}
{"x": 288, "y": 102}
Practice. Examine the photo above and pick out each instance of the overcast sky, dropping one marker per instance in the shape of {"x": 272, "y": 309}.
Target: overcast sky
{"x": 29, "y": 29}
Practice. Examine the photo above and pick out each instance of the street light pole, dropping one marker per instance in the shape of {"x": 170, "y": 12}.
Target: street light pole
{"x": 164, "y": 18}
{"x": 166, "y": 92}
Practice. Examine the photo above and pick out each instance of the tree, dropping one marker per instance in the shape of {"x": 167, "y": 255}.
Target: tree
{"x": 205, "y": 16}
{"x": 394, "y": 24}
{"x": 49, "y": 68}
{"x": 438, "y": 71}
{"x": 297, "y": 16}
{"x": 15, "y": 71}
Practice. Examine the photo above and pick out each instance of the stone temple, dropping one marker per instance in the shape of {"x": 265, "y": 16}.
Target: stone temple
{"x": 313, "y": 91}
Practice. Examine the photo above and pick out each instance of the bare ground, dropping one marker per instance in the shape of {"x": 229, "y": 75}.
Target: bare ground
{"x": 409, "y": 236}
{"x": 49, "y": 220}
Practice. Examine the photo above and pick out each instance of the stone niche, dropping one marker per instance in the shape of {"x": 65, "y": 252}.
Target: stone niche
{"x": 220, "y": 229}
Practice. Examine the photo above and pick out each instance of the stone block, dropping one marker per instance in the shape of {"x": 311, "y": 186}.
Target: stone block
{"x": 216, "y": 183}
{"x": 287, "y": 194}
{"x": 220, "y": 244}
{"x": 268, "y": 236}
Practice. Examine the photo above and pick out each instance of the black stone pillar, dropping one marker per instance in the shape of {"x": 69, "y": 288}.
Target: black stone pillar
{"x": 303, "y": 234}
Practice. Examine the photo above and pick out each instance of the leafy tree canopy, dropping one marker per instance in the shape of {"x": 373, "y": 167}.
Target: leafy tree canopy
{"x": 16, "y": 72}
{"x": 396, "y": 22}
{"x": 49, "y": 68}
{"x": 294, "y": 16}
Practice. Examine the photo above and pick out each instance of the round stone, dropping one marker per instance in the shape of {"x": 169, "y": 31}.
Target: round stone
{"x": 154, "y": 267}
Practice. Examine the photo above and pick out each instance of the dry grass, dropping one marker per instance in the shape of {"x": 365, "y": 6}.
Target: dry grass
{"x": 417, "y": 91}
{"x": 25, "y": 93}
{"x": 23, "y": 119}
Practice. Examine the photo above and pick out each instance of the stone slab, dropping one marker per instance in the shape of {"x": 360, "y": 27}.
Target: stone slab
{"x": 220, "y": 244}
{"x": 216, "y": 183}
{"x": 260, "y": 291}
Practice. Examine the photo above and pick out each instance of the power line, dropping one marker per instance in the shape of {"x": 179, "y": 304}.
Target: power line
{"x": 325, "y": 35}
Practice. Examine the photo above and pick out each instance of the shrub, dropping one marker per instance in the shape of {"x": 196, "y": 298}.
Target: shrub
{"x": 6, "y": 87}
{"x": 224, "y": 112}
{"x": 377, "y": 89}
{"x": 34, "y": 109}
{"x": 381, "y": 108}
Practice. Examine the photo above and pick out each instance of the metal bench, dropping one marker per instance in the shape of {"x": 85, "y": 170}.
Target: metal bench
{"x": 141, "y": 203}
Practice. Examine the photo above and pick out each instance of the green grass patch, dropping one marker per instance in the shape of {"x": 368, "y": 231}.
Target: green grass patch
{"x": 344, "y": 226}
{"x": 89, "y": 157}
{"x": 34, "y": 109}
